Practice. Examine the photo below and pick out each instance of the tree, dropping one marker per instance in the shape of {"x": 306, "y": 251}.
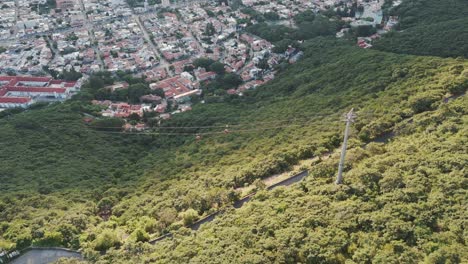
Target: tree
{"x": 217, "y": 67}
{"x": 134, "y": 117}
{"x": 272, "y": 16}
{"x": 423, "y": 102}
{"x": 69, "y": 233}
{"x": 189, "y": 216}
{"x": 51, "y": 239}
{"x": 304, "y": 16}
{"x": 114, "y": 53}
{"x": 365, "y": 31}
{"x": 232, "y": 80}
{"x": 95, "y": 82}
{"x": 108, "y": 33}
{"x": 282, "y": 45}
{"x": 106, "y": 239}
{"x": 210, "y": 29}
{"x": 23, "y": 240}
{"x": 167, "y": 216}
{"x": 259, "y": 184}
{"x": 263, "y": 64}
{"x": 203, "y": 63}
{"x": 136, "y": 91}
{"x": 209, "y": 13}
{"x": 140, "y": 235}
{"x": 72, "y": 37}
{"x": 188, "y": 68}
{"x": 108, "y": 124}
{"x": 71, "y": 75}
{"x": 105, "y": 204}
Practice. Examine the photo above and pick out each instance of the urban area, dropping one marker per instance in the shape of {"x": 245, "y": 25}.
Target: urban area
{"x": 49, "y": 48}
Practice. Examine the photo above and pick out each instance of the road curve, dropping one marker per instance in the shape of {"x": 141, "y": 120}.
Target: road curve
{"x": 195, "y": 226}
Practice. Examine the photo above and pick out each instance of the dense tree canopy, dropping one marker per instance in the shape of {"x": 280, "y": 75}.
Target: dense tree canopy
{"x": 103, "y": 175}
{"x": 429, "y": 27}
{"x": 69, "y": 183}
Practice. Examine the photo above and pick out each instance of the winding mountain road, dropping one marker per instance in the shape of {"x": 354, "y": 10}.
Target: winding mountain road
{"x": 195, "y": 226}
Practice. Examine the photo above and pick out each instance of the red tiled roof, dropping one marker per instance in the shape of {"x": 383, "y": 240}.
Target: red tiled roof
{"x": 15, "y": 100}
{"x": 36, "y": 89}
{"x": 32, "y": 79}
{"x": 6, "y": 78}
{"x": 206, "y": 75}
{"x": 16, "y": 84}
{"x": 71, "y": 84}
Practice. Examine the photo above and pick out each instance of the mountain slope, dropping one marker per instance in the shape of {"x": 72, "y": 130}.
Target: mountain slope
{"x": 402, "y": 202}
{"x": 150, "y": 184}
{"x": 429, "y": 28}
{"x": 399, "y": 93}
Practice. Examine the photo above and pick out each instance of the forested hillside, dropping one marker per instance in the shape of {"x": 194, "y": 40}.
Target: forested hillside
{"x": 402, "y": 202}
{"x": 429, "y": 27}
{"x": 148, "y": 185}
{"x": 66, "y": 182}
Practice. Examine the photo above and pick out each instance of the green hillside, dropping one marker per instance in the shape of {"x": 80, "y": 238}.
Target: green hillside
{"x": 402, "y": 202}
{"x": 67, "y": 183}
{"x": 427, "y": 12}
{"x": 62, "y": 177}
{"x": 429, "y": 27}
{"x": 445, "y": 39}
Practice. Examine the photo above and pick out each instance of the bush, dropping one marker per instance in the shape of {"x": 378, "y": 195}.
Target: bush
{"x": 458, "y": 88}
{"x": 108, "y": 124}
{"x": 106, "y": 240}
{"x": 189, "y": 216}
{"x": 423, "y": 102}
{"x": 50, "y": 239}
{"x": 140, "y": 235}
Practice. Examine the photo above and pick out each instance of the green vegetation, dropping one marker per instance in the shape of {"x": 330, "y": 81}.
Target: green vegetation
{"x": 97, "y": 88}
{"x": 60, "y": 176}
{"x": 402, "y": 202}
{"x": 72, "y": 37}
{"x": 140, "y": 3}
{"x": 428, "y": 12}
{"x": 445, "y": 39}
{"x": 203, "y": 62}
{"x": 71, "y": 75}
{"x": 308, "y": 24}
{"x": 224, "y": 81}
{"x": 430, "y": 27}
{"x": 44, "y": 8}
{"x": 106, "y": 240}
{"x": 66, "y": 182}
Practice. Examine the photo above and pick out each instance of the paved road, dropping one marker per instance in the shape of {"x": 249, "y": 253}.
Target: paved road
{"x": 44, "y": 256}
{"x": 17, "y": 18}
{"x": 163, "y": 63}
{"x": 195, "y": 226}
{"x": 90, "y": 25}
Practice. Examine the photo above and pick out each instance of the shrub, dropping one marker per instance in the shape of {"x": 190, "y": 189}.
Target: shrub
{"x": 189, "y": 216}
{"x": 140, "y": 235}
{"x": 106, "y": 240}
{"x": 423, "y": 102}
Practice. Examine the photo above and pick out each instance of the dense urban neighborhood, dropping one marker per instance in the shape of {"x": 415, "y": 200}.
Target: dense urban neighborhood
{"x": 177, "y": 48}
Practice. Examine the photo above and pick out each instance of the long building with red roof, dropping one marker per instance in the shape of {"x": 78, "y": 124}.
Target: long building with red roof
{"x": 22, "y": 91}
